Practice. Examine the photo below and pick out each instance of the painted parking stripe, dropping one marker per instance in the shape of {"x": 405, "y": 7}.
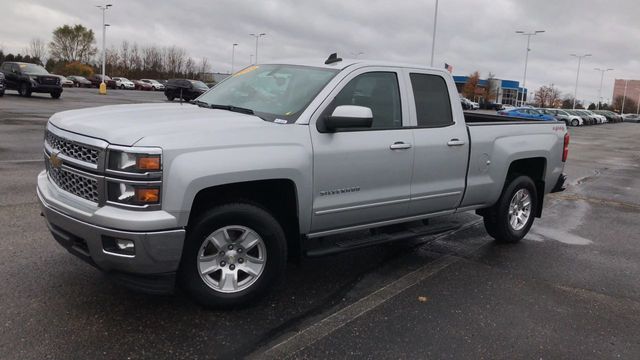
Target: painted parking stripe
{"x": 308, "y": 336}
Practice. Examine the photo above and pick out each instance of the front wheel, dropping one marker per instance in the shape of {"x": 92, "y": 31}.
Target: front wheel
{"x": 24, "y": 90}
{"x": 56, "y": 94}
{"x": 233, "y": 254}
{"x": 510, "y": 219}
{"x": 170, "y": 98}
{"x": 574, "y": 122}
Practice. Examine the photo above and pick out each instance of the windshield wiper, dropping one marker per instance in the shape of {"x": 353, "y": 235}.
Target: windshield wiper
{"x": 202, "y": 103}
{"x": 232, "y": 108}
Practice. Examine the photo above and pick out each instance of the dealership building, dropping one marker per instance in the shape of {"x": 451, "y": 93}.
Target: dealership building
{"x": 506, "y": 92}
{"x": 629, "y": 87}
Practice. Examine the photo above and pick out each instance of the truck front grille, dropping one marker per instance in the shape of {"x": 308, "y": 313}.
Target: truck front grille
{"x": 76, "y": 184}
{"x": 72, "y": 149}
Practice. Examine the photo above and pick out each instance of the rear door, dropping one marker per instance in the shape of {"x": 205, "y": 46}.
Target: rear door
{"x": 440, "y": 142}
{"x": 362, "y": 176}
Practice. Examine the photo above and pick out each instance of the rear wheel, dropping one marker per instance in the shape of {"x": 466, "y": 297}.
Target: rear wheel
{"x": 233, "y": 254}
{"x": 170, "y": 97}
{"x": 574, "y": 122}
{"x": 56, "y": 94}
{"x": 510, "y": 219}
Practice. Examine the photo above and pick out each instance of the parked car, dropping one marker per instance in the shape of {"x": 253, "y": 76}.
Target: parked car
{"x": 586, "y": 118}
{"x": 96, "y": 80}
{"x": 185, "y": 88}
{"x": 141, "y": 85}
{"x": 64, "y": 81}
{"x": 610, "y": 115}
{"x": 466, "y": 104}
{"x": 124, "y": 83}
{"x": 155, "y": 85}
{"x": 216, "y": 196}
{"x": 79, "y": 81}
{"x": 27, "y": 78}
{"x": 492, "y": 106}
{"x": 507, "y": 107}
{"x": 526, "y": 113}
{"x": 1, "y": 84}
{"x": 597, "y": 119}
{"x": 631, "y": 117}
{"x": 562, "y": 115}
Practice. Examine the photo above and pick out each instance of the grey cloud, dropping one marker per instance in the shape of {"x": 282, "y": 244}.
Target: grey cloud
{"x": 472, "y": 35}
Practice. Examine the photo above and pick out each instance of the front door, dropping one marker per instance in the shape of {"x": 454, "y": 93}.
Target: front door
{"x": 363, "y": 176}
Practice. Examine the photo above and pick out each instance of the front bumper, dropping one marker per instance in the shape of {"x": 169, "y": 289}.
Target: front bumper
{"x": 40, "y": 88}
{"x": 157, "y": 253}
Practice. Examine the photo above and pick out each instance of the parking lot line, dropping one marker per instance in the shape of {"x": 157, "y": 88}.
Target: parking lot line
{"x": 20, "y": 161}
{"x": 306, "y": 337}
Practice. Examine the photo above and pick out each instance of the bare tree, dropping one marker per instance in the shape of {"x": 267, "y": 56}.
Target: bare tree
{"x": 174, "y": 58}
{"x": 37, "y": 50}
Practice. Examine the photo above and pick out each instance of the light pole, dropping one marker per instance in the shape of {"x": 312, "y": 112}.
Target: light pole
{"x": 575, "y": 92}
{"x": 250, "y": 59}
{"x": 433, "y": 40}
{"x": 103, "y": 86}
{"x": 526, "y": 59}
{"x": 257, "y": 36}
{"x": 602, "y": 71}
{"x": 638, "y": 107}
{"x": 233, "y": 55}
{"x": 624, "y": 96}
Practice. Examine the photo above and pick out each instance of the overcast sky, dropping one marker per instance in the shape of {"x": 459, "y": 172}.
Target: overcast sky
{"x": 471, "y": 35}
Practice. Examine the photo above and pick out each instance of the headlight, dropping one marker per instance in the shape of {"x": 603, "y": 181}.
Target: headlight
{"x": 134, "y": 162}
{"x": 133, "y": 194}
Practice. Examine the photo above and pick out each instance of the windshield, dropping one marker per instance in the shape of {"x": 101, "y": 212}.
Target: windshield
{"x": 199, "y": 85}
{"x": 271, "y": 91}
{"x": 33, "y": 69}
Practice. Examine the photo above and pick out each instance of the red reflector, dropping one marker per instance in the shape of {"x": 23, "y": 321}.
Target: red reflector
{"x": 565, "y": 150}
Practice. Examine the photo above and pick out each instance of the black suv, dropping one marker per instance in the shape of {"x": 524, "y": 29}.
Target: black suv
{"x": 1, "y": 84}
{"x": 28, "y": 78}
{"x": 188, "y": 89}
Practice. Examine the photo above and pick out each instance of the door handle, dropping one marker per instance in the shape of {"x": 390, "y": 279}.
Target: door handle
{"x": 399, "y": 145}
{"x": 455, "y": 142}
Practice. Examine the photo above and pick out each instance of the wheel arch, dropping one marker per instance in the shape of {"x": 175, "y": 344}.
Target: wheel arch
{"x": 279, "y": 196}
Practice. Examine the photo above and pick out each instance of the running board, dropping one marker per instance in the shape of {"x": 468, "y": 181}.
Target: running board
{"x": 366, "y": 241}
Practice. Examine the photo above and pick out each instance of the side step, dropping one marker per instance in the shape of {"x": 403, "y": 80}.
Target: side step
{"x": 383, "y": 238}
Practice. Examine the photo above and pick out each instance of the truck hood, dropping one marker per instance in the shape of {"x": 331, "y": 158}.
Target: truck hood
{"x": 128, "y": 124}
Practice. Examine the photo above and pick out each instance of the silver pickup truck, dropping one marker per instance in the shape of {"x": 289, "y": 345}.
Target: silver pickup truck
{"x": 217, "y": 194}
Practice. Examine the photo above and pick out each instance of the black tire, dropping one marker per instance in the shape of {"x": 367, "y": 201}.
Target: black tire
{"x": 121, "y": 87}
{"x": 233, "y": 214}
{"x": 170, "y": 98}
{"x": 56, "y": 94}
{"x": 2, "y": 93}
{"x": 496, "y": 219}
{"x": 574, "y": 122}
{"x": 24, "y": 89}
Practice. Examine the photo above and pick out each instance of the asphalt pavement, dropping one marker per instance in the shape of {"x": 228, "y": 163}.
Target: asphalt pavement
{"x": 569, "y": 290}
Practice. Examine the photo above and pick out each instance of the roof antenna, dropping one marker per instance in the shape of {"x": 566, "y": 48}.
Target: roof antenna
{"x": 333, "y": 58}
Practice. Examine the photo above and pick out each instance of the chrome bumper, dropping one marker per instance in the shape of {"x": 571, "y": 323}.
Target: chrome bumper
{"x": 156, "y": 252}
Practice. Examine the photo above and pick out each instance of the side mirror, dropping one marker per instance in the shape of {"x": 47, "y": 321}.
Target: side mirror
{"x": 348, "y": 117}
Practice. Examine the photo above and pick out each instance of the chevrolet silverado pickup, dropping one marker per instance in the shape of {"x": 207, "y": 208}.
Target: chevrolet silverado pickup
{"x": 215, "y": 195}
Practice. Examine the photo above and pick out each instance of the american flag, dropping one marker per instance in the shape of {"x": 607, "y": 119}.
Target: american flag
{"x": 448, "y": 67}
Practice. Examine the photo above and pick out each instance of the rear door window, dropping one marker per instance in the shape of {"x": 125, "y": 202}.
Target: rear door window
{"x": 431, "y": 95}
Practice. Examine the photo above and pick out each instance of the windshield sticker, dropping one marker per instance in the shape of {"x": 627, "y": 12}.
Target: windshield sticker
{"x": 247, "y": 70}
{"x": 280, "y": 121}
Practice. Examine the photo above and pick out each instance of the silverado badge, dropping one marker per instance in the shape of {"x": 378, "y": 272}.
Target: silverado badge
{"x": 55, "y": 160}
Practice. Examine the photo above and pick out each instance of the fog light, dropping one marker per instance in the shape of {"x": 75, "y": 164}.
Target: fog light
{"x": 118, "y": 246}
{"x": 125, "y": 245}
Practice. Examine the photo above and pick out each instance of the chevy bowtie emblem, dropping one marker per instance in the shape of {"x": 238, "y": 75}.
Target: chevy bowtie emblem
{"x": 55, "y": 160}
